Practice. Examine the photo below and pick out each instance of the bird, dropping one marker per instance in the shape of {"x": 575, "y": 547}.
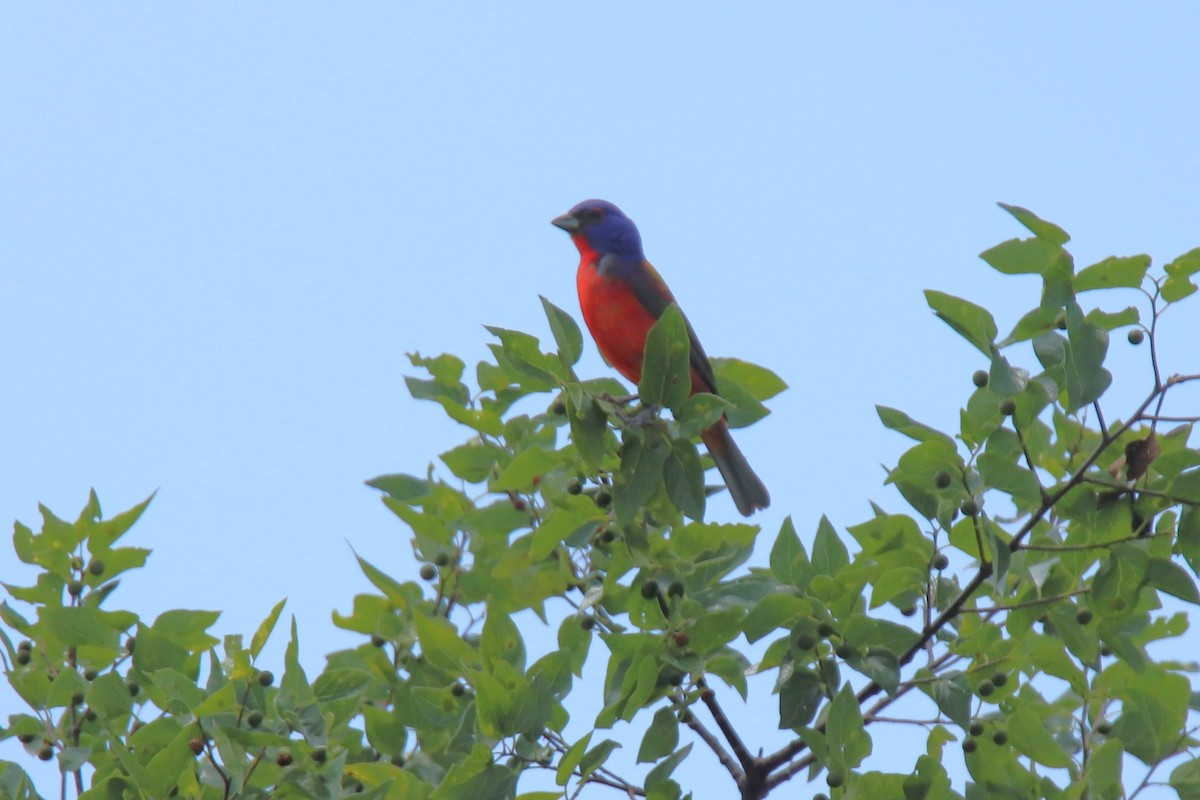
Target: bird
{"x": 622, "y": 296}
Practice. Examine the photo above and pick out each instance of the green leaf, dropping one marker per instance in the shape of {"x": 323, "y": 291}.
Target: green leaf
{"x": 501, "y": 640}
{"x": 295, "y": 700}
{"x": 1154, "y": 708}
{"x": 880, "y": 665}
{"x": 754, "y": 381}
{"x": 1178, "y": 284}
{"x": 1024, "y": 256}
{"x": 800, "y": 695}
{"x": 443, "y": 647}
{"x": 641, "y": 472}
{"x": 1031, "y": 737}
{"x": 566, "y": 333}
{"x": 188, "y": 629}
{"x": 974, "y": 323}
{"x": 829, "y": 554}
{"x": 666, "y": 365}
{"x": 1103, "y": 773}
{"x": 1185, "y": 779}
{"x": 1086, "y": 378}
{"x": 595, "y": 758}
{"x": 773, "y": 612}
{"x": 1111, "y": 321}
{"x": 1167, "y": 576}
{"x": 400, "y": 487}
{"x": 1189, "y": 537}
{"x": 660, "y": 774}
{"x": 1127, "y": 271}
{"x": 952, "y": 693}
{"x": 487, "y": 422}
{"x": 385, "y": 731}
{"x": 661, "y": 737}
{"x": 589, "y": 431}
{"x": 844, "y": 728}
{"x": 570, "y": 759}
{"x": 1119, "y": 579}
{"x": 473, "y": 461}
{"x": 683, "y": 474}
{"x": 529, "y": 464}
{"x": 700, "y": 412}
{"x": 1037, "y": 226}
{"x": 789, "y": 561}
{"x": 900, "y": 422}
{"x": 558, "y": 525}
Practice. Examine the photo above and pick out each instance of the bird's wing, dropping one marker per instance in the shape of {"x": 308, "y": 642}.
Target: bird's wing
{"x": 652, "y": 292}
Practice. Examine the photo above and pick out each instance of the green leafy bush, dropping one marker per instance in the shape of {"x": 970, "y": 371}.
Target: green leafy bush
{"x": 1018, "y": 597}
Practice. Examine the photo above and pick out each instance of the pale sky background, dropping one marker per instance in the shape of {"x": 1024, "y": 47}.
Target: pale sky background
{"x": 222, "y": 225}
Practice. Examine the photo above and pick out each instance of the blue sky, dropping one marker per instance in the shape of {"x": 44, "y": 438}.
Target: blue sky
{"x": 223, "y": 225}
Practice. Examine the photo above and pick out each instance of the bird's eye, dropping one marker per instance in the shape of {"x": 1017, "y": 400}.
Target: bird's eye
{"x": 592, "y": 214}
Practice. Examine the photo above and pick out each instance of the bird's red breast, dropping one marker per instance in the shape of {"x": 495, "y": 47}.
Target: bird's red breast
{"x": 616, "y": 318}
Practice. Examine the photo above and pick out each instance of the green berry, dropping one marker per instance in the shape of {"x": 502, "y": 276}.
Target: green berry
{"x": 133, "y": 688}
{"x": 834, "y": 780}
{"x": 74, "y": 588}
{"x": 90, "y": 674}
{"x": 25, "y": 645}
{"x": 986, "y": 688}
{"x": 1083, "y": 616}
{"x": 46, "y": 752}
{"x": 266, "y": 678}
{"x": 130, "y": 643}
{"x": 908, "y": 611}
{"x": 976, "y": 729}
{"x": 26, "y": 738}
{"x": 844, "y": 650}
{"x": 676, "y": 589}
{"x": 574, "y": 487}
{"x": 942, "y": 480}
{"x": 940, "y": 561}
{"x": 319, "y": 754}
{"x": 825, "y": 630}
{"x": 428, "y": 572}
{"x": 603, "y": 498}
{"x": 1000, "y": 737}
{"x": 1136, "y": 336}
{"x": 1104, "y": 729}
{"x": 377, "y": 640}
{"x": 805, "y": 642}
{"x": 24, "y": 657}
{"x": 650, "y": 589}
{"x": 970, "y": 508}
{"x": 1008, "y": 406}
{"x": 254, "y": 718}
{"x": 96, "y": 567}
{"x": 587, "y": 623}
{"x": 608, "y": 536}
{"x": 1060, "y": 320}
{"x": 999, "y": 679}
{"x": 980, "y": 378}
{"x": 558, "y": 407}
{"x": 970, "y": 746}
{"x": 457, "y": 689}
{"x": 77, "y": 699}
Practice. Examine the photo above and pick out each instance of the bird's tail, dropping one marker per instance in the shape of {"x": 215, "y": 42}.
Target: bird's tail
{"x": 748, "y": 492}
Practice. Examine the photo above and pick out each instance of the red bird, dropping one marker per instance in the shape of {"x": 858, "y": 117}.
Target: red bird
{"x": 622, "y": 296}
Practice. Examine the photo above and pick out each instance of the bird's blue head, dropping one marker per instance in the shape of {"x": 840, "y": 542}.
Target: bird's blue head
{"x": 601, "y": 227}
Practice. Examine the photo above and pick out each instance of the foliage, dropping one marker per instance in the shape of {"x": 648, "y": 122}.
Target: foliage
{"x": 1018, "y": 598}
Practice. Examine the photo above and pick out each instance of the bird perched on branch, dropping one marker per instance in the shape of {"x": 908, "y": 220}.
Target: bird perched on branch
{"x": 622, "y": 296}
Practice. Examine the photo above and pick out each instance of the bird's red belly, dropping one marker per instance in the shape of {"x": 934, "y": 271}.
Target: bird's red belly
{"x": 618, "y": 321}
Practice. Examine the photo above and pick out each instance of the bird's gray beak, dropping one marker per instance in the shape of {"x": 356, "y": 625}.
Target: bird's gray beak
{"x": 567, "y": 222}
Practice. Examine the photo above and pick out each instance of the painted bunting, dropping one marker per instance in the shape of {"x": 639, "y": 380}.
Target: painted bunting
{"x": 622, "y": 296}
